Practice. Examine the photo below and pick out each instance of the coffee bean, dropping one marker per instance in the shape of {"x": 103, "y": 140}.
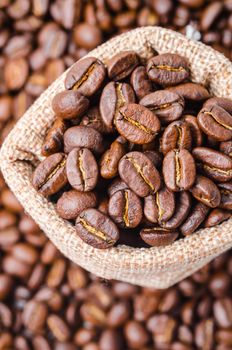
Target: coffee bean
{"x": 215, "y": 165}
{"x": 16, "y": 72}
{"x": 226, "y": 147}
{"x": 159, "y": 207}
{"x": 222, "y": 309}
{"x": 182, "y": 209}
{"x": 122, "y": 64}
{"x": 226, "y": 195}
{"x": 139, "y": 173}
{"x": 54, "y": 139}
{"x": 58, "y": 327}
{"x": 118, "y": 314}
{"x": 25, "y": 253}
{"x": 93, "y": 119}
{"x": 191, "y": 91}
{"x": 209, "y": 15}
{"x": 70, "y": 104}
{"x": 96, "y": 229}
{"x": 137, "y": 124}
{"x": 195, "y": 219}
{"x": 168, "y": 69}
{"x": 216, "y": 217}
{"x": 177, "y": 135}
{"x": 113, "y": 97}
{"x": 110, "y": 159}
{"x": 56, "y": 273}
{"x": 125, "y": 208}
{"x": 166, "y": 105}
{"x": 192, "y": 3}
{"x": 140, "y": 82}
{"x": 136, "y": 334}
{"x": 50, "y": 175}
{"x": 205, "y": 191}
{"x": 34, "y": 316}
{"x": 179, "y": 170}
{"x": 197, "y": 136}
{"x": 82, "y": 169}
{"x": 216, "y": 122}
{"x": 83, "y": 137}
{"x": 224, "y": 103}
{"x": 6, "y": 284}
{"x": 87, "y": 35}
{"x": 204, "y": 334}
{"x": 73, "y": 202}
{"x": 5, "y": 108}
{"x": 158, "y": 236}
{"x": 86, "y": 76}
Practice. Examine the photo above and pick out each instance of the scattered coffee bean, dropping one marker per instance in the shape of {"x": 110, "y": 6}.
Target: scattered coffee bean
{"x": 158, "y": 236}
{"x": 122, "y": 64}
{"x": 70, "y": 104}
{"x": 83, "y": 136}
{"x": 54, "y": 140}
{"x": 191, "y": 91}
{"x": 205, "y": 191}
{"x": 177, "y": 135}
{"x": 196, "y": 217}
{"x": 216, "y": 217}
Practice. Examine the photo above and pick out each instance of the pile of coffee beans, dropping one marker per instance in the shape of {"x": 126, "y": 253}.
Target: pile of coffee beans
{"x": 137, "y": 149}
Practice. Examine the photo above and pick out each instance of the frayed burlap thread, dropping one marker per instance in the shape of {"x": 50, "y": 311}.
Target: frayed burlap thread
{"x": 151, "y": 267}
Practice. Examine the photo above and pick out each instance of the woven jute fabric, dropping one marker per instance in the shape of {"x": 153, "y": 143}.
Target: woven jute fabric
{"x": 152, "y": 267}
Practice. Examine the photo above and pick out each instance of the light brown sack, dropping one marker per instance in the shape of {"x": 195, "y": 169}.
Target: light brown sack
{"x": 152, "y": 267}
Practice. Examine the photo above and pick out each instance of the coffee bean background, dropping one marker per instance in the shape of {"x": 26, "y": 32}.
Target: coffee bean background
{"x": 46, "y": 302}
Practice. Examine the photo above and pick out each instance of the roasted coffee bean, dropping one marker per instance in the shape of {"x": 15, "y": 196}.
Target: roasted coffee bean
{"x": 177, "y": 135}
{"x": 137, "y": 124}
{"x": 84, "y": 137}
{"x": 93, "y": 314}
{"x": 58, "y": 327}
{"x": 87, "y": 35}
{"x": 136, "y": 335}
{"x": 205, "y": 191}
{"x": 209, "y": 15}
{"x": 197, "y": 136}
{"x": 216, "y": 122}
{"x": 167, "y": 69}
{"x": 122, "y": 64}
{"x": 166, "y": 105}
{"x": 82, "y": 169}
{"x": 140, "y": 82}
{"x": 113, "y": 97}
{"x": 34, "y": 315}
{"x": 226, "y": 195}
{"x": 222, "y": 309}
{"x": 182, "y": 209}
{"x": 118, "y": 314}
{"x": 110, "y": 159}
{"x": 73, "y": 202}
{"x": 155, "y": 157}
{"x": 160, "y": 206}
{"x": 93, "y": 119}
{"x": 191, "y": 91}
{"x": 158, "y": 236}
{"x": 224, "y": 103}
{"x": 96, "y": 229}
{"x": 195, "y": 219}
{"x": 216, "y": 217}
{"x": 54, "y": 139}
{"x": 16, "y": 73}
{"x": 179, "y": 170}
{"x": 216, "y": 165}
{"x": 226, "y": 147}
{"x": 25, "y": 253}
{"x": 139, "y": 173}
{"x": 50, "y": 175}
{"x": 125, "y": 208}
{"x": 70, "y": 104}
{"x": 86, "y": 76}
{"x": 116, "y": 185}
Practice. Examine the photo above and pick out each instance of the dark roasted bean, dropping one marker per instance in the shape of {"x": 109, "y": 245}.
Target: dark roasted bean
{"x": 167, "y": 69}
{"x": 84, "y": 137}
{"x": 177, "y": 135}
{"x": 216, "y": 217}
{"x": 205, "y": 191}
{"x": 96, "y": 229}
{"x": 191, "y": 91}
{"x": 158, "y": 236}
{"x": 70, "y": 104}
{"x": 54, "y": 138}
{"x": 195, "y": 219}
{"x": 122, "y": 64}
{"x": 140, "y": 82}
{"x": 82, "y": 169}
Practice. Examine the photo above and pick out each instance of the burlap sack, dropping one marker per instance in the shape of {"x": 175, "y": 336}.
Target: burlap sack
{"x": 152, "y": 267}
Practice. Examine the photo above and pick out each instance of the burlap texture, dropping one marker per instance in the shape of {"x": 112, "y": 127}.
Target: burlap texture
{"x": 152, "y": 267}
